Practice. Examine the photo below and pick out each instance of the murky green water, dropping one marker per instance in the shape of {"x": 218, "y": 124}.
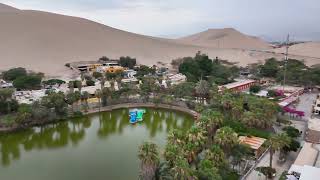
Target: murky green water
{"x": 96, "y": 147}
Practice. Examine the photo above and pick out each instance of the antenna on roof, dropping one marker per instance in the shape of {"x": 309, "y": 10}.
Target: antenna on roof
{"x": 286, "y": 61}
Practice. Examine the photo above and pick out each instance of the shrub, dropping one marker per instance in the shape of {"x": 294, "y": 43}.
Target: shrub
{"x": 90, "y": 83}
{"x": 255, "y": 89}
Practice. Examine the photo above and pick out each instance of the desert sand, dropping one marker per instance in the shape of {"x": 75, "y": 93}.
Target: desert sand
{"x": 44, "y": 42}
{"x": 225, "y": 38}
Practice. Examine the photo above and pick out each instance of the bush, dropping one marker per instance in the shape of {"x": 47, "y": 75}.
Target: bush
{"x": 7, "y": 120}
{"x": 52, "y": 82}
{"x": 90, "y": 83}
{"x": 97, "y": 75}
{"x": 292, "y": 131}
{"x": 255, "y": 89}
{"x": 14, "y": 73}
{"x": 77, "y": 114}
{"x": 29, "y": 82}
{"x": 127, "y": 62}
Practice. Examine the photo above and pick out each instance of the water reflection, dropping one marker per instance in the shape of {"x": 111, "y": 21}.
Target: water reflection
{"x": 73, "y": 132}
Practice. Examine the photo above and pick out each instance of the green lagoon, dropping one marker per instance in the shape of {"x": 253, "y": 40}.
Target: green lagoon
{"x": 97, "y": 147}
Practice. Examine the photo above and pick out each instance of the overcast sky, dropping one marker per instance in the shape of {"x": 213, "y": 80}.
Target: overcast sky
{"x": 174, "y": 18}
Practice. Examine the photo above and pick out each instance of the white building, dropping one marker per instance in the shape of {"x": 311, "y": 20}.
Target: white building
{"x": 4, "y": 84}
{"x": 177, "y": 78}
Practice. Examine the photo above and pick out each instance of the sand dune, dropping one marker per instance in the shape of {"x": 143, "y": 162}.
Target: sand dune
{"x": 311, "y": 49}
{"x": 225, "y": 38}
{"x": 44, "y": 42}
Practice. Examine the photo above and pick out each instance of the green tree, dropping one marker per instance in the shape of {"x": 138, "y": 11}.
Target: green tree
{"x": 211, "y": 120}
{"x": 207, "y": 171}
{"x": 98, "y": 94}
{"x": 97, "y": 75}
{"x": 277, "y": 142}
{"x": 127, "y": 62}
{"x": 85, "y": 96}
{"x": 149, "y": 157}
{"x": 270, "y": 68}
{"x": 255, "y": 89}
{"x": 28, "y": 82}
{"x": 226, "y": 138}
{"x": 57, "y": 102}
{"x": 14, "y": 73}
{"x": 6, "y": 100}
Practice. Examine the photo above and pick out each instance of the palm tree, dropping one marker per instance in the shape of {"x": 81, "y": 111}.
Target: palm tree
{"x": 79, "y": 85}
{"x": 104, "y": 96}
{"x": 85, "y": 96}
{"x": 226, "y": 138}
{"x": 71, "y": 86}
{"x": 202, "y": 89}
{"x": 102, "y": 82}
{"x": 250, "y": 119}
{"x": 196, "y": 138}
{"x": 149, "y": 157}
{"x": 98, "y": 94}
{"x": 182, "y": 170}
{"x": 207, "y": 170}
{"x": 211, "y": 120}
{"x": 71, "y": 99}
{"x": 277, "y": 142}
{"x": 216, "y": 155}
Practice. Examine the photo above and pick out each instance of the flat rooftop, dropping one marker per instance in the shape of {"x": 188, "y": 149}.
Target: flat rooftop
{"x": 238, "y": 83}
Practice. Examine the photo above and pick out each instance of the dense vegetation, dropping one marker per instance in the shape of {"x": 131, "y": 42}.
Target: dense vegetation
{"x": 298, "y": 73}
{"x": 23, "y": 80}
{"x": 211, "y": 149}
{"x": 202, "y": 67}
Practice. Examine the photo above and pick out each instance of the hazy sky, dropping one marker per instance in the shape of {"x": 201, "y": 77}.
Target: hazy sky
{"x": 175, "y": 18}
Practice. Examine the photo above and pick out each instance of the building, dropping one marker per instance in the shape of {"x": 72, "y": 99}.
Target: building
{"x": 316, "y": 106}
{"x": 176, "y": 78}
{"x": 304, "y": 166}
{"x": 255, "y": 143}
{"x": 90, "y": 66}
{"x": 238, "y": 86}
{"x": 4, "y": 84}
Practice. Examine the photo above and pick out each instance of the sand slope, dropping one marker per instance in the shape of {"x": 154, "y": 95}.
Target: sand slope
{"x": 225, "y": 38}
{"x": 311, "y": 49}
{"x": 44, "y": 42}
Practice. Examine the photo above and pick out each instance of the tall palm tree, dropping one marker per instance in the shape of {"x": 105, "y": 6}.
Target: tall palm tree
{"x": 98, "y": 94}
{"x": 211, "y": 120}
{"x": 182, "y": 170}
{"x": 195, "y": 141}
{"x": 85, "y": 97}
{"x": 226, "y": 138}
{"x": 149, "y": 157}
{"x": 216, "y": 155}
{"x": 105, "y": 94}
{"x": 102, "y": 82}
{"x": 79, "y": 85}
{"x": 277, "y": 142}
{"x": 202, "y": 89}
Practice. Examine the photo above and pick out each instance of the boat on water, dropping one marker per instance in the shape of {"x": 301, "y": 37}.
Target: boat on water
{"x": 136, "y": 115}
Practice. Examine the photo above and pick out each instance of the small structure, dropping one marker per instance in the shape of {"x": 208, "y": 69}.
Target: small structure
{"x": 176, "y": 78}
{"x": 4, "y": 84}
{"x": 238, "y": 86}
{"x": 316, "y": 107}
{"x": 255, "y": 143}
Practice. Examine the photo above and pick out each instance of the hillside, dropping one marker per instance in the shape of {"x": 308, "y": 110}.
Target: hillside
{"x": 44, "y": 42}
{"x": 225, "y": 38}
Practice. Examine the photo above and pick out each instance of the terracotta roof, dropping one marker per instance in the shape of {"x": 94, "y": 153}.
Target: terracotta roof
{"x": 254, "y": 142}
